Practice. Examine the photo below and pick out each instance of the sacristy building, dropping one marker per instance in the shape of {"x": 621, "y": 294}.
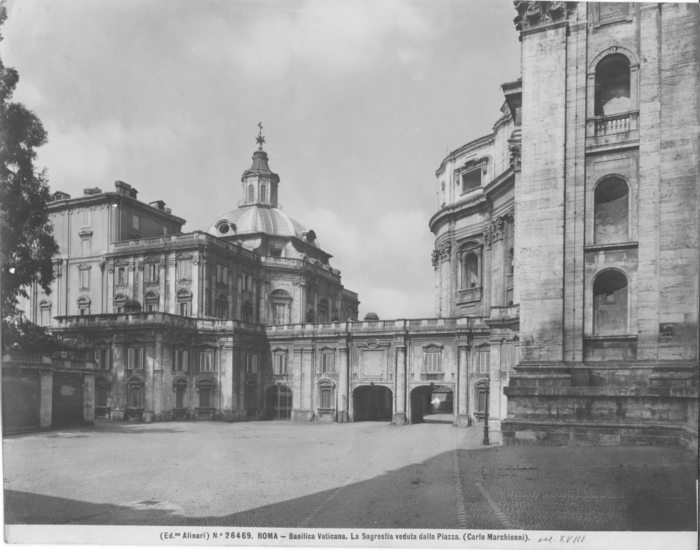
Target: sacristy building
{"x": 566, "y": 267}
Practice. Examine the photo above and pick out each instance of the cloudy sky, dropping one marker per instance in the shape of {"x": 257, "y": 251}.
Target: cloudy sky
{"x": 360, "y": 102}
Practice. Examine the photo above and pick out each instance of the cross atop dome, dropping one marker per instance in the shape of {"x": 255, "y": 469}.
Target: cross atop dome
{"x": 260, "y": 139}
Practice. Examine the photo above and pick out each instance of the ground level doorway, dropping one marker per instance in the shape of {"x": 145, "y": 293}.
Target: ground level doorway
{"x": 432, "y": 404}
{"x": 279, "y": 402}
{"x": 372, "y": 403}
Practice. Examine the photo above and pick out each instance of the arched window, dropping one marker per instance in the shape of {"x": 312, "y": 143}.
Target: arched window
{"x": 184, "y": 303}
{"x": 180, "y": 389}
{"x": 610, "y": 298}
{"x": 326, "y": 390}
{"x": 310, "y": 316}
{"x": 263, "y": 193}
{"x": 247, "y": 312}
{"x": 83, "y": 305}
{"x": 612, "y": 85}
{"x": 151, "y": 300}
{"x": 281, "y": 307}
{"x": 135, "y": 394}
{"x": 101, "y": 393}
{"x": 470, "y": 271}
{"x": 205, "y": 389}
{"x": 44, "y": 313}
{"x": 323, "y": 311}
{"x": 251, "y": 397}
{"x": 251, "y": 193}
{"x": 222, "y": 307}
{"x": 119, "y": 301}
{"x": 511, "y": 262}
{"x": 480, "y": 396}
{"x": 611, "y": 211}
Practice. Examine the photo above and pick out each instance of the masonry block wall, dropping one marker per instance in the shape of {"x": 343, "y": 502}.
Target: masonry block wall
{"x": 618, "y": 363}
{"x": 539, "y": 200}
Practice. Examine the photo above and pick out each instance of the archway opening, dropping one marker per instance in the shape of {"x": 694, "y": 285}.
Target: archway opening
{"x": 279, "y": 402}
{"x": 372, "y": 403}
{"x": 432, "y": 404}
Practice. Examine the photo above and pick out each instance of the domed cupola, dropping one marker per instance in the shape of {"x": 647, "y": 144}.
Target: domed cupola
{"x": 259, "y": 182}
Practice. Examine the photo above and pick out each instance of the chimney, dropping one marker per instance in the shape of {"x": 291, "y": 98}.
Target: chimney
{"x": 133, "y": 193}
{"x": 92, "y": 191}
{"x": 160, "y": 205}
{"x": 123, "y": 188}
{"x": 60, "y": 196}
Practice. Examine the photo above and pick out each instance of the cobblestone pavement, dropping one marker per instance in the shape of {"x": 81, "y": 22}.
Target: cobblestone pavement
{"x": 370, "y": 475}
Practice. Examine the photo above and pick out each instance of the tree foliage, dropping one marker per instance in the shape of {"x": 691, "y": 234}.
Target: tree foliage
{"x": 26, "y": 235}
{"x": 20, "y": 334}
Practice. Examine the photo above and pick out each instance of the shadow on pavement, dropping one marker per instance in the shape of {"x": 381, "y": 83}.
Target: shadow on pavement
{"x": 536, "y": 488}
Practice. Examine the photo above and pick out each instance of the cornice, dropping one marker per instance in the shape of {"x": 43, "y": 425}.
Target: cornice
{"x": 460, "y": 208}
{"x": 106, "y": 198}
{"x": 464, "y": 149}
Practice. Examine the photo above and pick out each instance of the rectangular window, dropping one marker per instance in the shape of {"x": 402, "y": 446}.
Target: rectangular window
{"x": 221, "y": 274}
{"x": 250, "y": 397}
{"x": 327, "y": 363}
{"x": 45, "y": 316}
{"x": 121, "y": 275}
{"x": 84, "y": 279}
{"x": 185, "y": 308}
{"x": 84, "y": 310}
{"x": 152, "y": 273}
{"x": 204, "y": 398}
{"x": 205, "y": 361}
{"x": 135, "y": 358}
{"x": 280, "y": 314}
{"x": 86, "y": 247}
{"x": 432, "y": 362}
{"x": 280, "y": 364}
{"x": 103, "y": 359}
{"x": 481, "y": 406}
{"x": 326, "y": 398}
{"x": 222, "y": 309}
{"x": 471, "y": 180}
{"x": 484, "y": 361}
{"x": 251, "y": 366}
{"x": 184, "y": 269}
{"x": 181, "y": 360}
{"x": 135, "y": 223}
{"x": 86, "y": 218}
{"x": 247, "y": 282}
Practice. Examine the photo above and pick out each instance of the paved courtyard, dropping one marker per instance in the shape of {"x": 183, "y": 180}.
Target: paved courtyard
{"x": 369, "y": 475}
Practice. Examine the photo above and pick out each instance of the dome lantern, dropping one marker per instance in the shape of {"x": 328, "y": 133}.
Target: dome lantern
{"x": 259, "y": 182}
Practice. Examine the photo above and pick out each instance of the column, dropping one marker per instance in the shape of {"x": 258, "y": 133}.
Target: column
{"x": 119, "y": 377}
{"x": 462, "y": 418}
{"x": 497, "y": 260}
{"x": 296, "y": 383}
{"x": 148, "y": 382}
{"x": 158, "y": 378}
{"x": 229, "y": 396}
{"x": 343, "y": 384}
{"x": 495, "y": 389}
{"x": 308, "y": 382}
{"x": 400, "y": 413}
{"x": 46, "y": 396}
{"x": 89, "y": 399}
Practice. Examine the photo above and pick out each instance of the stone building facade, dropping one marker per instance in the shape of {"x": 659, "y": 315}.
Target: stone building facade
{"x": 566, "y": 267}
{"x": 576, "y": 220}
{"x": 177, "y": 319}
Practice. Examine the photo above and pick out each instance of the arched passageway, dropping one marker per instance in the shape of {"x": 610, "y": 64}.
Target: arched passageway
{"x": 372, "y": 403}
{"x": 432, "y": 404}
{"x": 279, "y": 402}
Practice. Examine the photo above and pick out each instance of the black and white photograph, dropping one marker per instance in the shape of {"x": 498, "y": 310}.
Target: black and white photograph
{"x": 350, "y": 273}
